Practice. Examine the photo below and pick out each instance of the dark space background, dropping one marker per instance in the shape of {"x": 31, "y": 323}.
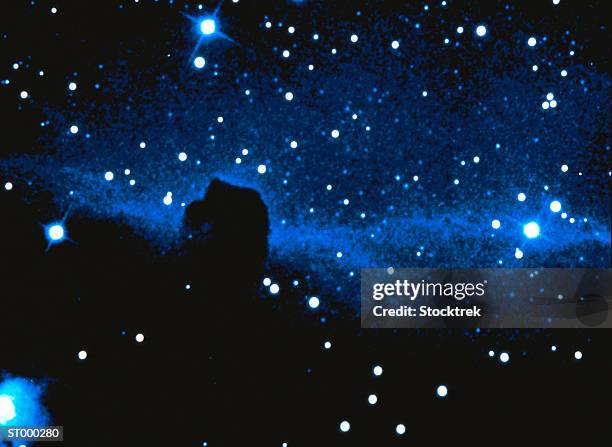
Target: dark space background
{"x": 227, "y": 359}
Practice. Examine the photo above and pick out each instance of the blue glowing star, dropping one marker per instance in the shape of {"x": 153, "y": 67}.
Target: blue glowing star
{"x": 20, "y": 402}
{"x": 442, "y": 391}
{"x": 531, "y": 230}
{"x": 199, "y": 62}
{"x": 7, "y": 409}
{"x": 208, "y": 29}
{"x": 555, "y": 206}
{"x": 207, "y": 26}
{"x": 55, "y": 232}
{"x": 313, "y": 302}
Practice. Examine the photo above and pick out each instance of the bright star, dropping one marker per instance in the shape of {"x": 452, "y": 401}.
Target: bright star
{"x": 518, "y": 253}
{"x": 531, "y": 230}
{"x": 207, "y": 26}
{"x": 7, "y": 409}
{"x": 555, "y": 206}
{"x": 313, "y": 302}
{"x": 55, "y": 232}
{"x": 20, "y": 403}
{"x": 442, "y": 391}
{"x": 199, "y": 62}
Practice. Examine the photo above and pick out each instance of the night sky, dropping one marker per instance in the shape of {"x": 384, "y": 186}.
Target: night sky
{"x": 376, "y": 134}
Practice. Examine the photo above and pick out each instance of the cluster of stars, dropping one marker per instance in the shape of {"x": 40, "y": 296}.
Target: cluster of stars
{"x": 550, "y": 102}
{"x": 273, "y": 287}
{"x": 345, "y": 426}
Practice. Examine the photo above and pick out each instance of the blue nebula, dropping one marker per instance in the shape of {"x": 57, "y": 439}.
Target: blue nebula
{"x": 21, "y": 402}
{"x": 359, "y": 162}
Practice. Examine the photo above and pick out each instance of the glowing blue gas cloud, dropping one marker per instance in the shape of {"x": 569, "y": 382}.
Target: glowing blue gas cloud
{"x": 20, "y": 403}
{"x": 312, "y": 158}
